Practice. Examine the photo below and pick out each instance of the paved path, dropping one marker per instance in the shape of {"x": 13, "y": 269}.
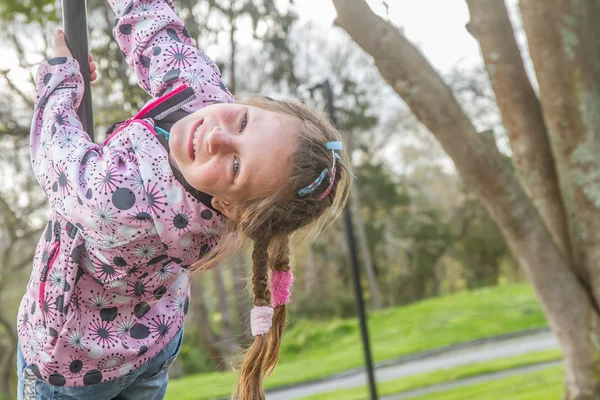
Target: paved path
{"x": 437, "y": 360}
{"x": 470, "y": 381}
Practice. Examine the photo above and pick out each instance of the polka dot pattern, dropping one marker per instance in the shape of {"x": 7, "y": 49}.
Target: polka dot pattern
{"x": 109, "y": 286}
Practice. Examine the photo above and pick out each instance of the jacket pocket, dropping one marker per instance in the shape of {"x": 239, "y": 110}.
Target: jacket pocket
{"x": 52, "y": 256}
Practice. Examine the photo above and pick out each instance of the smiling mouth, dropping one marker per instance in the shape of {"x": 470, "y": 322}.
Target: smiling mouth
{"x": 194, "y": 138}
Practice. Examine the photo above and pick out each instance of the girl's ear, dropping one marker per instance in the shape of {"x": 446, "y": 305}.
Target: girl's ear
{"x": 225, "y": 208}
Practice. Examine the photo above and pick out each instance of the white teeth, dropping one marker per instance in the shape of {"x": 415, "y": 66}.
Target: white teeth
{"x": 195, "y": 139}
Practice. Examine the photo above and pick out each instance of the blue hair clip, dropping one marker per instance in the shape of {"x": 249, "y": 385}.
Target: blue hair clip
{"x": 310, "y": 188}
{"x": 338, "y": 146}
{"x": 334, "y": 147}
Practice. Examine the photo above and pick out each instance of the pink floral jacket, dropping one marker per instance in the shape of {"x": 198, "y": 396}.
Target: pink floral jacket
{"x": 110, "y": 286}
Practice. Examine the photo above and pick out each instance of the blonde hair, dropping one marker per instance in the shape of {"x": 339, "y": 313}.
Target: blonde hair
{"x": 270, "y": 223}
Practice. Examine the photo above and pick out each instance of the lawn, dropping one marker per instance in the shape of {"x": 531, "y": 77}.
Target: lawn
{"x": 537, "y": 385}
{"x": 316, "y": 349}
{"x": 421, "y": 380}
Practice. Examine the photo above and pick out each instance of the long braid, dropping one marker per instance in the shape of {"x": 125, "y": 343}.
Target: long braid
{"x": 279, "y": 261}
{"x": 260, "y": 277}
{"x": 270, "y": 222}
{"x": 252, "y": 373}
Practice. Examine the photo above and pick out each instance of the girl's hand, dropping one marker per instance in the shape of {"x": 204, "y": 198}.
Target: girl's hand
{"x": 60, "y": 45}
{"x": 62, "y": 50}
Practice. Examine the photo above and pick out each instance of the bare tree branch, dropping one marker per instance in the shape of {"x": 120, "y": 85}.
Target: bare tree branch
{"x": 521, "y": 114}
{"x": 13, "y": 87}
{"x": 17, "y": 46}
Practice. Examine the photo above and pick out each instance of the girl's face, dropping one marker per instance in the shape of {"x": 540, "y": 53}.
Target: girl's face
{"x": 234, "y": 152}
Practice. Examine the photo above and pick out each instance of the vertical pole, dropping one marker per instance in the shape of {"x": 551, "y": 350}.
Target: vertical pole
{"x": 360, "y": 304}
{"x": 75, "y": 27}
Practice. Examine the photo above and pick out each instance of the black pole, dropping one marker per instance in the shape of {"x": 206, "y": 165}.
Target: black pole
{"x": 75, "y": 27}
{"x": 360, "y": 304}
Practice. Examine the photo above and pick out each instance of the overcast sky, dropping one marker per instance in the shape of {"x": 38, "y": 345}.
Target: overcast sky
{"x": 437, "y": 27}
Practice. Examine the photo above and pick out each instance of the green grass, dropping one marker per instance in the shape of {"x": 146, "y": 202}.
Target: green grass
{"x": 316, "y": 349}
{"x": 546, "y": 384}
{"x": 422, "y": 380}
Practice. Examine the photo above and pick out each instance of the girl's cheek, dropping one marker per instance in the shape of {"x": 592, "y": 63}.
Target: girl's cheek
{"x": 175, "y": 141}
{"x": 230, "y": 114}
{"x": 208, "y": 173}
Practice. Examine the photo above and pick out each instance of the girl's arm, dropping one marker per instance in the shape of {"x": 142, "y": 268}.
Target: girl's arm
{"x": 91, "y": 186}
{"x": 159, "y": 48}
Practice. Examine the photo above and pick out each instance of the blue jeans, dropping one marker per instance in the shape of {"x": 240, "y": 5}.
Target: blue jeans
{"x": 148, "y": 382}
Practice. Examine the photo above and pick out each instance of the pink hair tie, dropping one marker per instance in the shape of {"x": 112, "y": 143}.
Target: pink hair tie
{"x": 261, "y": 319}
{"x": 281, "y": 282}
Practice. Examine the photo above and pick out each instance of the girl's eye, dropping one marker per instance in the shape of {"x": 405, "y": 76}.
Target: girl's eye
{"x": 236, "y": 166}
{"x": 244, "y": 122}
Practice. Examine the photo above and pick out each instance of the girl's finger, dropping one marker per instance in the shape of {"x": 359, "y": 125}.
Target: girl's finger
{"x": 92, "y": 67}
{"x": 90, "y": 57}
{"x": 93, "y": 76}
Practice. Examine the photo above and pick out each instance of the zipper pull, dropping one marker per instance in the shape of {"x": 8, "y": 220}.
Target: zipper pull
{"x": 166, "y": 134}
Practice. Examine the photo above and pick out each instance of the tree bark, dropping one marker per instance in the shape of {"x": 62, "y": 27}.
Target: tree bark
{"x": 563, "y": 41}
{"x": 521, "y": 114}
{"x": 208, "y": 337}
{"x": 310, "y": 273}
{"x": 232, "y": 22}
{"x": 227, "y": 337}
{"x": 242, "y": 297}
{"x": 564, "y": 300}
{"x": 7, "y": 370}
{"x": 7, "y": 357}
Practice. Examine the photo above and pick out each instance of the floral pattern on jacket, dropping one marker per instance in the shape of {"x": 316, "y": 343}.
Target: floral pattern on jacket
{"x": 109, "y": 286}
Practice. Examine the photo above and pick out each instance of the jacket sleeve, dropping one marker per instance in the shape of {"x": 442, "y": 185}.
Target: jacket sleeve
{"x": 91, "y": 186}
{"x": 161, "y": 52}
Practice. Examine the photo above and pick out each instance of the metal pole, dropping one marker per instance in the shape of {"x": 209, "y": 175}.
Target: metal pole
{"x": 75, "y": 27}
{"x": 360, "y": 304}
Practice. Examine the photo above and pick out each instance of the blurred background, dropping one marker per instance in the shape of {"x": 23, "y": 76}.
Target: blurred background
{"x": 474, "y": 206}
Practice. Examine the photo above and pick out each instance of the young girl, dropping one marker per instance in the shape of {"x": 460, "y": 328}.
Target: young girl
{"x": 170, "y": 190}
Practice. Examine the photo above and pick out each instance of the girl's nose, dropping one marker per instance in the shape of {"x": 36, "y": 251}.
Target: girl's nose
{"x": 220, "y": 142}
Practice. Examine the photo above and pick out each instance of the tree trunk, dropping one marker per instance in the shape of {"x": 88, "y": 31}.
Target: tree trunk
{"x": 243, "y": 303}
{"x": 208, "y": 337}
{"x": 374, "y": 290}
{"x": 567, "y": 63}
{"x": 232, "y": 22}
{"x": 7, "y": 356}
{"x": 310, "y": 273}
{"x": 483, "y": 274}
{"x": 567, "y": 305}
{"x": 7, "y": 370}
{"x": 521, "y": 114}
{"x": 563, "y": 40}
{"x": 227, "y": 337}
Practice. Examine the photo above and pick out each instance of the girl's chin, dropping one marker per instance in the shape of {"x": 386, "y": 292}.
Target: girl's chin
{"x": 173, "y": 161}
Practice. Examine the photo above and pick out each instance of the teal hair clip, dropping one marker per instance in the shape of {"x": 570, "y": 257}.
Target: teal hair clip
{"x": 334, "y": 147}
{"x": 337, "y": 146}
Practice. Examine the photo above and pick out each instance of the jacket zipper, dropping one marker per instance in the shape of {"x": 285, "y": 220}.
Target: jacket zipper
{"x": 151, "y": 106}
{"x": 160, "y": 100}
{"x": 54, "y": 255}
{"x": 175, "y": 107}
{"x": 119, "y": 129}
